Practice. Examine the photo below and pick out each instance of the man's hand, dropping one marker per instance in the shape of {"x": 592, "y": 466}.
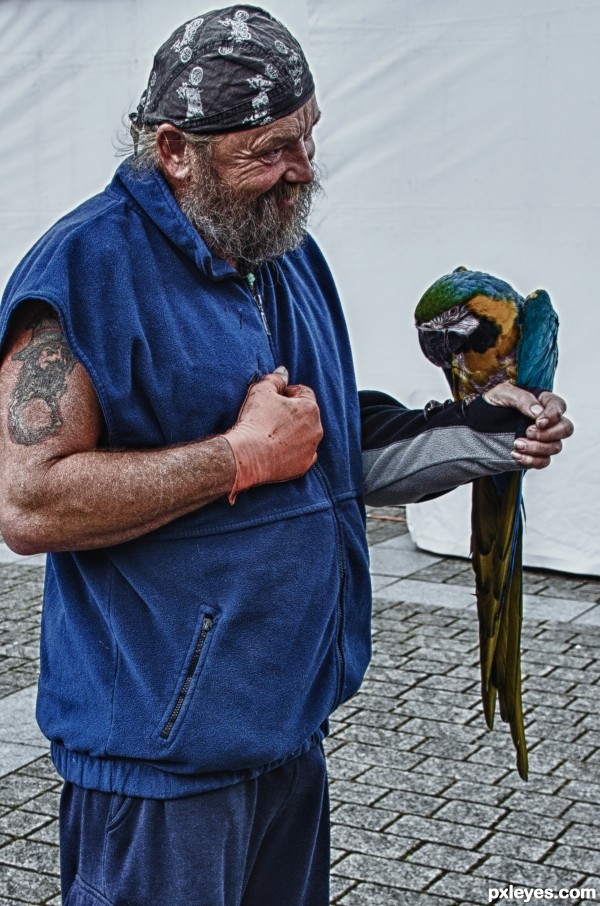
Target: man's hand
{"x": 277, "y": 433}
{"x": 550, "y": 427}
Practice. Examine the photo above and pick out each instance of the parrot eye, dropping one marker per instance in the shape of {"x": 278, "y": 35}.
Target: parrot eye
{"x": 454, "y": 311}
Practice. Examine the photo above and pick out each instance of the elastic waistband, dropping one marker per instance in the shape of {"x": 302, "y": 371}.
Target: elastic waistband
{"x": 152, "y": 780}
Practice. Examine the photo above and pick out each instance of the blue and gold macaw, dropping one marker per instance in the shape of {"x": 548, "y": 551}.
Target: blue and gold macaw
{"x": 482, "y": 332}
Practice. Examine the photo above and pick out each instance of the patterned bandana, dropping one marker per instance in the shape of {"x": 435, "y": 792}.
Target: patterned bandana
{"x": 230, "y": 69}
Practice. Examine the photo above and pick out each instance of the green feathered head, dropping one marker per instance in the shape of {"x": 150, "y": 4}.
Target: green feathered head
{"x": 457, "y": 288}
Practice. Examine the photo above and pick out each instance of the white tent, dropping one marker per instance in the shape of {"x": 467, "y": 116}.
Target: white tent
{"x": 453, "y": 133}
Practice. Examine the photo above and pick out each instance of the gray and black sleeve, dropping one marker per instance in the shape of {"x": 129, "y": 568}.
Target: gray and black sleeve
{"x": 411, "y": 455}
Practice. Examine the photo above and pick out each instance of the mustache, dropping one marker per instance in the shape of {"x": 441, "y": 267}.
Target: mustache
{"x": 287, "y": 191}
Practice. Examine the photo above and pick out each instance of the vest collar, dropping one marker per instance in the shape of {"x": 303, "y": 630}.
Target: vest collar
{"x": 152, "y": 193}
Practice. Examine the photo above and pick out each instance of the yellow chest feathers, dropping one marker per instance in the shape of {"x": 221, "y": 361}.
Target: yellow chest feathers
{"x": 475, "y": 372}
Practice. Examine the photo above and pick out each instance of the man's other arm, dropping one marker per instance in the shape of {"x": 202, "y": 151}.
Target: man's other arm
{"x": 412, "y": 455}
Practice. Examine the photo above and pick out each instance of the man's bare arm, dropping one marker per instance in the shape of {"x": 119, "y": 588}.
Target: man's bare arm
{"x": 59, "y": 491}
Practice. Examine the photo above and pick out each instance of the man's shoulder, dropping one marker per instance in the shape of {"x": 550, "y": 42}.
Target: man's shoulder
{"x": 81, "y": 240}
{"x": 89, "y": 227}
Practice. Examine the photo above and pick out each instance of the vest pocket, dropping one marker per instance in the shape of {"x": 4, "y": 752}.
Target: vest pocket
{"x": 194, "y": 662}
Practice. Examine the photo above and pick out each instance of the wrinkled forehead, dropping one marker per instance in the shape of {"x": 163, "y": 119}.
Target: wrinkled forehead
{"x": 261, "y": 139}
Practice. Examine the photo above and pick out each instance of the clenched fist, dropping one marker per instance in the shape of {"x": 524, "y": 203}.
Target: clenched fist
{"x": 277, "y": 433}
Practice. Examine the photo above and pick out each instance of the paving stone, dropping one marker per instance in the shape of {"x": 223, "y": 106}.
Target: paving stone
{"x": 398, "y": 563}
{"x": 360, "y": 792}
{"x": 460, "y": 888}
{"x": 376, "y": 895}
{"x": 338, "y": 887}
{"x": 453, "y": 596}
{"x": 470, "y": 813}
{"x": 337, "y": 854}
{"x": 373, "y": 719}
{"x": 458, "y": 770}
{"x": 381, "y": 755}
{"x": 18, "y": 823}
{"x": 440, "y": 729}
{"x": 445, "y": 747}
{"x": 437, "y": 831}
{"x": 532, "y": 825}
{"x": 449, "y": 858}
{"x": 501, "y": 843}
{"x": 357, "y": 839}
{"x": 544, "y": 784}
{"x": 25, "y": 886}
{"x": 479, "y": 793}
{"x": 575, "y": 857}
{"x": 17, "y": 789}
{"x": 38, "y": 857}
{"x": 526, "y": 874}
{"x": 453, "y": 715}
{"x": 451, "y": 684}
{"x": 372, "y": 686}
{"x": 584, "y": 771}
{"x": 555, "y": 752}
{"x": 377, "y": 702}
{"x": 361, "y": 739}
{"x": 402, "y": 802}
{"x": 368, "y": 817}
{"x": 582, "y": 835}
{"x": 49, "y": 833}
{"x": 402, "y": 780}
{"x": 390, "y": 872}
{"x": 341, "y": 768}
{"x": 552, "y": 806}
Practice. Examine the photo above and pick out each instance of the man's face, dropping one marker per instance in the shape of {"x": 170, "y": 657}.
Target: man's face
{"x": 254, "y": 161}
{"x": 250, "y": 198}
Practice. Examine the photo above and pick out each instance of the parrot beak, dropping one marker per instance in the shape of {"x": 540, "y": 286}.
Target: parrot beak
{"x": 438, "y": 345}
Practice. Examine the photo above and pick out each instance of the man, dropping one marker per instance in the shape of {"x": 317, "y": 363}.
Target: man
{"x": 207, "y": 596}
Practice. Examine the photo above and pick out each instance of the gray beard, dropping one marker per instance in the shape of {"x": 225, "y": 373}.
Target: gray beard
{"x": 248, "y": 231}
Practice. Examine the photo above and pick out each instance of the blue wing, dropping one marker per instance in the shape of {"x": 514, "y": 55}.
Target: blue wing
{"x": 537, "y": 352}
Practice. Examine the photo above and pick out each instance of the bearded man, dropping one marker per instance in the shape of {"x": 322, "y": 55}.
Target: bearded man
{"x": 207, "y": 599}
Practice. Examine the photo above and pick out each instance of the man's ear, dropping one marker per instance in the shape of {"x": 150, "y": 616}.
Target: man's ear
{"x": 172, "y": 150}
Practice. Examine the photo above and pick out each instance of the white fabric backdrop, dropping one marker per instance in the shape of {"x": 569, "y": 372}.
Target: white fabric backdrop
{"x": 462, "y": 133}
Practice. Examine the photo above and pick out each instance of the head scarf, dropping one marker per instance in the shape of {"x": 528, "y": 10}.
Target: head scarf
{"x": 227, "y": 70}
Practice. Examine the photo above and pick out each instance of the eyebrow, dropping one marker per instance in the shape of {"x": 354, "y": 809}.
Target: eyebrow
{"x": 287, "y": 135}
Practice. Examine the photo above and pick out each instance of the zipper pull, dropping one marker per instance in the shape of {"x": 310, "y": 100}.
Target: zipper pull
{"x": 251, "y": 281}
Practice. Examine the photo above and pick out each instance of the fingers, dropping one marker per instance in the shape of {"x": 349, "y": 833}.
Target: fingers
{"x": 532, "y": 462}
{"x": 279, "y": 380}
{"x": 554, "y": 407}
{"x": 558, "y": 431}
{"x": 300, "y": 391}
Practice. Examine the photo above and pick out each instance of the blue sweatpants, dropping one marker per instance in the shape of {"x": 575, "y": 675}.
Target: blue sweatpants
{"x": 264, "y": 842}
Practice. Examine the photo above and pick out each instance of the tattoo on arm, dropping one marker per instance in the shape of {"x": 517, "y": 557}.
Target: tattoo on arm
{"x": 34, "y": 412}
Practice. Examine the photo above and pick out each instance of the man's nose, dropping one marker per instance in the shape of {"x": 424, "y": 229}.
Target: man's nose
{"x": 299, "y": 166}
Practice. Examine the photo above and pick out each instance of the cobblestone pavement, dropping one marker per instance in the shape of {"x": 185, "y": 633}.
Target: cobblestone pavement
{"x": 427, "y": 806}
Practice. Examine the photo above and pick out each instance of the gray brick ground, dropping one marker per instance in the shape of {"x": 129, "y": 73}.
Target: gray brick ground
{"x": 427, "y": 807}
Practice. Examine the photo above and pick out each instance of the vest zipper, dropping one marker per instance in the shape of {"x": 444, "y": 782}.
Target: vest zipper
{"x": 251, "y": 281}
{"x": 207, "y": 624}
{"x": 342, "y": 574}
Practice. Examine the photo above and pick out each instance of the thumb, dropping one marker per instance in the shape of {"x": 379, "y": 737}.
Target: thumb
{"x": 279, "y": 378}
{"x": 509, "y": 395}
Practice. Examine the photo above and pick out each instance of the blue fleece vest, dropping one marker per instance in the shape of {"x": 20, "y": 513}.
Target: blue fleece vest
{"x": 218, "y": 645}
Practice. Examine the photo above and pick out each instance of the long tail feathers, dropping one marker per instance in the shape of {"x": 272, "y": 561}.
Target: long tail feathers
{"x": 496, "y": 544}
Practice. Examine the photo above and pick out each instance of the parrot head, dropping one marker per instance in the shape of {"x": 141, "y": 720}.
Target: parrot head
{"x": 461, "y": 311}
{"x": 468, "y": 324}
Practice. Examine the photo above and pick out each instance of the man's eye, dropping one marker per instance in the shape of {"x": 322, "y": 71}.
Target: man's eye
{"x": 272, "y": 156}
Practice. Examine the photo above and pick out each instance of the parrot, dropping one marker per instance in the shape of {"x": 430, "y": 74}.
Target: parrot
{"x": 481, "y": 332}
